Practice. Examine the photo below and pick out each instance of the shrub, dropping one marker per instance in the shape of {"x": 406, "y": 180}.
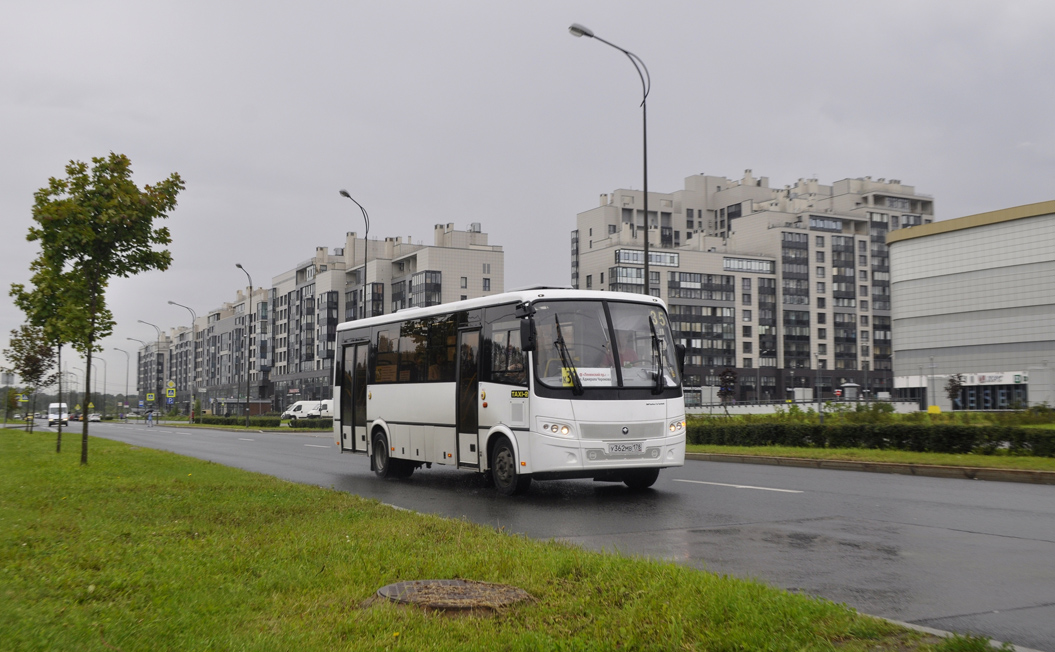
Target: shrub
{"x": 312, "y": 424}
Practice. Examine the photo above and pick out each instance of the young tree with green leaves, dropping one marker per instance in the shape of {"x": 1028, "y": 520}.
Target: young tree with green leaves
{"x": 954, "y": 387}
{"x": 32, "y": 358}
{"x": 93, "y": 225}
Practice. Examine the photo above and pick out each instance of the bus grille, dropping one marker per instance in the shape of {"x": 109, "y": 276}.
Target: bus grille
{"x": 652, "y": 430}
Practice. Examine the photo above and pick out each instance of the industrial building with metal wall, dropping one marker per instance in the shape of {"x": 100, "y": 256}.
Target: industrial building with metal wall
{"x": 976, "y": 296}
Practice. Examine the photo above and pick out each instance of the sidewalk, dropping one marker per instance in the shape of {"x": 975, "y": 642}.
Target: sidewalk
{"x": 926, "y": 470}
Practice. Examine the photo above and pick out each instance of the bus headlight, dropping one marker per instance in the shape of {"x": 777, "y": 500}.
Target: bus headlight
{"x": 557, "y": 429}
{"x": 677, "y": 426}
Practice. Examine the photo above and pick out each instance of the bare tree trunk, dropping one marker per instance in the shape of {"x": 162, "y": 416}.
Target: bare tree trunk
{"x": 87, "y": 402}
{"x": 58, "y": 440}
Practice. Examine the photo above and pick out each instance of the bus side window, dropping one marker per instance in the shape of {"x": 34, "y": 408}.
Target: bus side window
{"x": 507, "y": 357}
{"x": 387, "y": 361}
{"x": 440, "y": 351}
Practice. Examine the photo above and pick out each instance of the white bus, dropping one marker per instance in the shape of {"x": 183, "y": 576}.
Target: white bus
{"x": 58, "y": 413}
{"x": 531, "y": 384}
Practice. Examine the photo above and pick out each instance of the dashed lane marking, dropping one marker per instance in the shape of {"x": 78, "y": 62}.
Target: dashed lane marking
{"x": 740, "y": 486}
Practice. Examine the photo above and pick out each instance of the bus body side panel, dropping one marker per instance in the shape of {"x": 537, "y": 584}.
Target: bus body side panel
{"x": 421, "y": 428}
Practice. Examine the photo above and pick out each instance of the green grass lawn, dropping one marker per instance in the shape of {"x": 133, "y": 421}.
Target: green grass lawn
{"x": 892, "y": 456}
{"x": 146, "y": 550}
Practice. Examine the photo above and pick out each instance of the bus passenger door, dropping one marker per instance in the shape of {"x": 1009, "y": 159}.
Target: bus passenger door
{"x": 353, "y": 399}
{"x": 468, "y": 416}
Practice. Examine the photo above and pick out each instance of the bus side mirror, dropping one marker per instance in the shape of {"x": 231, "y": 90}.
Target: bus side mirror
{"x": 528, "y": 335}
{"x": 679, "y": 349}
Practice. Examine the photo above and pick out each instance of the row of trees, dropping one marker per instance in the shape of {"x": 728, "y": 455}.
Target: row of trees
{"x": 93, "y": 225}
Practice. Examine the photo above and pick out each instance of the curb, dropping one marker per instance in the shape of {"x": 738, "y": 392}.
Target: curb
{"x": 924, "y": 470}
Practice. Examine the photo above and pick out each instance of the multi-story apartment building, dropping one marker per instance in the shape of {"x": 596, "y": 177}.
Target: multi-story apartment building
{"x": 788, "y": 287}
{"x": 308, "y": 301}
{"x": 153, "y": 369}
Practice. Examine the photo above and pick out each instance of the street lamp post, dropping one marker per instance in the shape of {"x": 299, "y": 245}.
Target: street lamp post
{"x": 157, "y": 356}
{"x": 366, "y": 245}
{"x": 128, "y": 360}
{"x": 646, "y": 84}
{"x": 817, "y": 385}
{"x": 142, "y": 345}
{"x": 193, "y": 358}
{"x": 248, "y": 336}
{"x": 105, "y": 367}
{"x": 81, "y": 371}
{"x": 930, "y": 385}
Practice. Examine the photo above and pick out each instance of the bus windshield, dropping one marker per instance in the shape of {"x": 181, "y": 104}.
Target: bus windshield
{"x": 594, "y": 344}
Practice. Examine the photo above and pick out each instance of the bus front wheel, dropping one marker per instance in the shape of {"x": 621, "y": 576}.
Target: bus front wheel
{"x": 642, "y": 479}
{"x": 504, "y": 470}
{"x": 383, "y": 464}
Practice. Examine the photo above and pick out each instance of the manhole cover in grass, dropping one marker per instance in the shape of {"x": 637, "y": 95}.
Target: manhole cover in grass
{"x": 453, "y": 594}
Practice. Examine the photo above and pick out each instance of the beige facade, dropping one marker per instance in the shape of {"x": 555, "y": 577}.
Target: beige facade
{"x": 788, "y": 287}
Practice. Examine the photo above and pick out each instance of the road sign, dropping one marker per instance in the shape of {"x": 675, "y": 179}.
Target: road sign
{"x": 141, "y": 404}
{"x": 170, "y": 400}
{"x": 150, "y": 396}
{"x": 171, "y": 393}
{"x": 91, "y": 406}
{"x": 170, "y": 384}
{"x": 22, "y": 398}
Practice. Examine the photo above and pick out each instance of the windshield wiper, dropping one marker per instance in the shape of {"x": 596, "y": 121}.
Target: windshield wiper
{"x": 565, "y": 358}
{"x": 656, "y": 359}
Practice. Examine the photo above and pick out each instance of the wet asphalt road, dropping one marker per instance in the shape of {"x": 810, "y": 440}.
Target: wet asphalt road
{"x": 960, "y": 555}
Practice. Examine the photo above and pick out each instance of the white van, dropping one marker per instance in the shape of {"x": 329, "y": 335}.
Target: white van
{"x": 321, "y": 409}
{"x": 58, "y": 412}
{"x": 298, "y": 410}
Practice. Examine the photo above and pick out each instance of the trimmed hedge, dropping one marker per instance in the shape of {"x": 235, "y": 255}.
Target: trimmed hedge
{"x": 909, "y": 437}
{"x": 313, "y": 424}
{"x": 259, "y": 422}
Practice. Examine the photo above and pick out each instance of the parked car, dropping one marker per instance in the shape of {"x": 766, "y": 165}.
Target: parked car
{"x": 16, "y": 416}
{"x": 76, "y": 416}
{"x": 95, "y": 417}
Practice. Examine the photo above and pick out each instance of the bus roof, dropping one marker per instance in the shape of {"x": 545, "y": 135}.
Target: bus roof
{"x": 527, "y": 295}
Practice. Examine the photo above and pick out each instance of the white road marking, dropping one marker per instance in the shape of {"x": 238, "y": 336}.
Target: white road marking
{"x": 244, "y": 439}
{"x": 740, "y": 486}
{"x": 316, "y": 446}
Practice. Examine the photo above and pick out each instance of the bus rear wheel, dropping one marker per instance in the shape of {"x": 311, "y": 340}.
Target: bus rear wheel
{"x": 504, "y": 470}
{"x": 642, "y": 479}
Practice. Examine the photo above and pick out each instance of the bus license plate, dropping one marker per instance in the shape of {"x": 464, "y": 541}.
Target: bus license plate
{"x": 623, "y": 448}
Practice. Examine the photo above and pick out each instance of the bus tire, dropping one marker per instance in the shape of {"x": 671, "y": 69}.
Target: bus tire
{"x": 641, "y": 479}
{"x": 384, "y": 465}
{"x": 504, "y": 470}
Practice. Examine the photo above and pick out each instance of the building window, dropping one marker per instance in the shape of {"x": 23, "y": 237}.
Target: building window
{"x": 820, "y": 272}
{"x": 746, "y": 315}
{"x": 746, "y": 299}
{"x": 863, "y": 291}
{"x": 747, "y": 331}
{"x": 822, "y": 333}
{"x": 822, "y": 349}
{"x": 820, "y": 287}
{"x": 820, "y": 241}
{"x": 820, "y": 256}
{"x": 745, "y": 284}
{"x": 589, "y": 281}
{"x": 864, "y": 305}
{"x": 821, "y": 303}
{"x": 822, "y": 318}
{"x": 465, "y": 282}
{"x": 747, "y": 347}
{"x": 487, "y": 268}
{"x": 747, "y": 363}
{"x": 487, "y": 285}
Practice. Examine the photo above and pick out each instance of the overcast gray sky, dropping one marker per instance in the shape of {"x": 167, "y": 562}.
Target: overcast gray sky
{"x": 491, "y": 112}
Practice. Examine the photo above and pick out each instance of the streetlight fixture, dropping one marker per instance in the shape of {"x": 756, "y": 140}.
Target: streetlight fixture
{"x": 157, "y": 356}
{"x": 366, "y": 245}
{"x": 128, "y": 361}
{"x": 105, "y": 367}
{"x": 143, "y": 345}
{"x": 193, "y": 356}
{"x": 817, "y": 386}
{"x": 646, "y": 85}
{"x": 248, "y": 336}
